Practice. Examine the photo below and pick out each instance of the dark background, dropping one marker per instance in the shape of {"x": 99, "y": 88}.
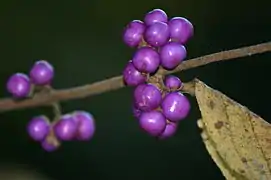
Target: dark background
{"x": 82, "y": 39}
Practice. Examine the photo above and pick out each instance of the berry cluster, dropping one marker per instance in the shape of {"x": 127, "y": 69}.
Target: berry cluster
{"x": 77, "y": 125}
{"x": 158, "y": 103}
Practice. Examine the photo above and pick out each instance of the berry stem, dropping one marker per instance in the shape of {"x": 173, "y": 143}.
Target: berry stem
{"x": 158, "y": 80}
{"x": 47, "y": 89}
{"x": 57, "y": 111}
{"x": 7, "y": 104}
{"x": 55, "y": 105}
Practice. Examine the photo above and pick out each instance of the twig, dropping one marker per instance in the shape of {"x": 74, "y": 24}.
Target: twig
{"x": 7, "y": 104}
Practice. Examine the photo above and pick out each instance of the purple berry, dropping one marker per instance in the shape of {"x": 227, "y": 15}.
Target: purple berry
{"x": 147, "y": 97}
{"x": 136, "y": 112}
{"x": 38, "y": 128}
{"x": 153, "y": 122}
{"x": 133, "y": 33}
{"x": 146, "y": 60}
{"x": 172, "y": 54}
{"x": 19, "y": 85}
{"x": 50, "y": 145}
{"x": 42, "y": 73}
{"x": 65, "y": 128}
{"x": 157, "y": 34}
{"x": 131, "y": 76}
{"x": 85, "y": 125}
{"x": 181, "y": 30}
{"x": 169, "y": 131}
{"x": 175, "y": 106}
{"x": 156, "y": 15}
{"x": 172, "y": 82}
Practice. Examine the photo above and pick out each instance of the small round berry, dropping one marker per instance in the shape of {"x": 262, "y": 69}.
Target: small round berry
{"x": 181, "y": 30}
{"x": 38, "y": 128}
{"x": 172, "y": 82}
{"x": 65, "y": 128}
{"x": 147, "y": 97}
{"x": 157, "y": 34}
{"x": 49, "y": 146}
{"x": 153, "y": 122}
{"x": 133, "y": 33}
{"x": 172, "y": 54}
{"x": 42, "y": 73}
{"x": 175, "y": 106}
{"x": 19, "y": 85}
{"x": 169, "y": 131}
{"x": 146, "y": 60}
{"x": 136, "y": 111}
{"x": 131, "y": 76}
{"x": 85, "y": 125}
{"x": 156, "y": 15}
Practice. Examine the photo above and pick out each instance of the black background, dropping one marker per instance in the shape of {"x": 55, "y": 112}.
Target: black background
{"x": 82, "y": 39}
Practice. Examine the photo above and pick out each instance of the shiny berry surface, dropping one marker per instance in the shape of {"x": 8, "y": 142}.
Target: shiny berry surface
{"x": 146, "y": 60}
{"x": 41, "y": 73}
{"x": 172, "y": 82}
{"x": 157, "y": 34}
{"x": 133, "y": 33}
{"x": 85, "y": 125}
{"x": 147, "y": 97}
{"x": 38, "y": 128}
{"x": 153, "y": 122}
{"x": 156, "y": 15}
{"x": 172, "y": 54}
{"x": 19, "y": 85}
{"x": 175, "y": 106}
{"x": 131, "y": 76}
{"x": 181, "y": 30}
{"x": 65, "y": 128}
{"x": 169, "y": 131}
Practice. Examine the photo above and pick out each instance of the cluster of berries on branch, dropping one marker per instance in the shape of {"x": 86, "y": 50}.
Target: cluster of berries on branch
{"x": 158, "y": 102}
{"x": 77, "y": 125}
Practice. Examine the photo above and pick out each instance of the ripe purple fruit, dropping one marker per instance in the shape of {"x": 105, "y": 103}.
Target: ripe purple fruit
{"x": 157, "y": 34}
{"x": 175, "y": 106}
{"x": 50, "y": 145}
{"x": 169, "y": 131}
{"x": 153, "y": 122}
{"x": 156, "y": 15}
{"x": 19, "y": 85}
{"x": 136, "y": 112}
{"x": 172, "y": 54}
{"x": 42, "y": 73}
{"x": 146, "y": 60}
{"x": 131, "y": 76}
{"x": 172, "y": 82}
{"x": 85, "y": 125}
{"x": 133, "y": 33}
{"x": 147, "y": 97}
{"x": 181, "y": 30}
{"x": 38, "y": 128}
{"x": 65, "y": 128}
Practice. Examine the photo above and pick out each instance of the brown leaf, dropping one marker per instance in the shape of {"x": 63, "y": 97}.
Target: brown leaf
{"x": 238, "y": 140}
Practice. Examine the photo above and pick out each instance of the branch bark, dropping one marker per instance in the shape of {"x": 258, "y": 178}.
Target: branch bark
{"x": 7, "y": 104}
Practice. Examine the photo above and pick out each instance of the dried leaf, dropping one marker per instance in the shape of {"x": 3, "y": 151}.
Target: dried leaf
{"x": 238, "y": 140}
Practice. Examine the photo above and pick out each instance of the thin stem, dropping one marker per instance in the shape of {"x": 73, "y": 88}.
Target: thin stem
{"x": 7, "y": 104}
{"x": 55, "y": 105}
{"x": 56, "y": 110}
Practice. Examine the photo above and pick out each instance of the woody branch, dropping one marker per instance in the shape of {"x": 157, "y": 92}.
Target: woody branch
{"x": 44, "y": 99}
